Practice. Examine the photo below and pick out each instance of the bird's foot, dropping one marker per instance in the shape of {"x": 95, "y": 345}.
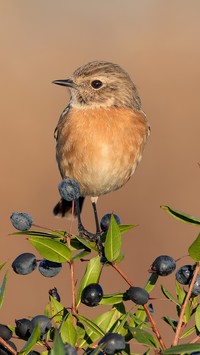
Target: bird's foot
{"x": 92, "y": 237}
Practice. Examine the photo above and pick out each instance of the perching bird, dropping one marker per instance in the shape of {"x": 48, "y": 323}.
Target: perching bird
{"x": 101, "y": 133}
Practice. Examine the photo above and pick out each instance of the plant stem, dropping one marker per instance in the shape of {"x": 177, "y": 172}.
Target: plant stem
{"x": 179, "y": 326}
{"x": 116, "y": 267}
{"x": 154, "y": 327}
{"x": 153, "y": 324}
{"x": 7, "y": 346}
{"x": 72, "y": 273}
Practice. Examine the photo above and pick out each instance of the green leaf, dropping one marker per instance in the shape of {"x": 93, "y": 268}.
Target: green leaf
{"x": 113, "y": 241}
{"x": 186, "y": 218}
{"x": 181, "y": 349}
{"x": 126, "y": 227}
{"x": 112, "y": 298}
{"x": 151, "y": 282}
{"x": 91, "y": 276}
{"x": 38, "y": 233}
{"x": 33, "y": 339}
{"x": 197, "y": 317}
{"x": 171, "y": 322}
{"x": 2, "y": 264}
{"x": 181, "y": 294}
{"x": 194, "y": 249}
{"x": 188, "y": 332}
{"x": 58, "y": 346}
{"x": 67, "y": 331}
{"x": 86, "y": 243}
{"x": 168, "y": 295}
{"x": 51, "y": 249}
{"x": 144, "y": 337}
{"x": 80, "y": 255}
{"x": 3, "y": 288}
{"x": 94, "y": 328}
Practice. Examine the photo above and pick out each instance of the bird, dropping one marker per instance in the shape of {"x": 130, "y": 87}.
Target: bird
{"x": 100, "y": 135}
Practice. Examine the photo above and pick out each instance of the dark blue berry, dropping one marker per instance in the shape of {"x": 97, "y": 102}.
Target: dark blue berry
{"x": 105, "y": 221}
{"x": 69, "y": 189}
{"x": 23, "y": 328}
{"x": 184, "y": 274}
{"x": 21, "y": 221}
{"x": 138, "y": 295}
{"x": 5, "y": 332}
{"x": 92, "y": 295}
{"x": 24, "y": 264}
{"x": 112, "y": 343}
{"x": 196, "y": 287}
{"x": 163, "y": 265}
{"x": 44, "y": 323}
{"x": 49, "y": 268}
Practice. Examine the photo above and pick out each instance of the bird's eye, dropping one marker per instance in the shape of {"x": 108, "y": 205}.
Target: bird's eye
{"x": 96, "y": 84}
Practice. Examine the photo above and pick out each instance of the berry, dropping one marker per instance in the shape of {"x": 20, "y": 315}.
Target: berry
{"x": 105, "y": 221}
{"x": 69, "y": 349}
{"x": 69, "y": 189}
{"x": 33, "y": 352}
{"x": 23, "y": 328}
{"x": 184, "y": 274}
{"x": 92, "y": 295}
{"x": 54, "y": 293}
{"x": 49, "y": 268}
{"x": 24, "y": 264}
{"x": 138, "y": 295}
{"x": 112, "y": 343}
{"x": 44, "y": 323}
{"x": 5, "y": 332}
{"x": 5, "y": 351}
{"x": 196, "y": 287}
{"x": 163, "y": 265}
{"x": 21, "y": 221}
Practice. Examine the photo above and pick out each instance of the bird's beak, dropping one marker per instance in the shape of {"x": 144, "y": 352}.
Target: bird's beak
{"x": 65, "y": 82}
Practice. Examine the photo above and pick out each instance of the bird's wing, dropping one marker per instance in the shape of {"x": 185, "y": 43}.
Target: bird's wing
{"x": 62, "y": 117}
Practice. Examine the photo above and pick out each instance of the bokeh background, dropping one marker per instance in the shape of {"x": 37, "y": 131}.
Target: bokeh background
{"x": 158, "y": 44}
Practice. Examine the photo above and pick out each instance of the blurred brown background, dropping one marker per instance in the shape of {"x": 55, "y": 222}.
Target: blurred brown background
{"x": 158, "y": 44}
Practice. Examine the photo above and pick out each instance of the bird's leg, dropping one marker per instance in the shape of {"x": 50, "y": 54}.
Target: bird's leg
{"x": 82, "y": 231}
{"x": 97, "y": 236}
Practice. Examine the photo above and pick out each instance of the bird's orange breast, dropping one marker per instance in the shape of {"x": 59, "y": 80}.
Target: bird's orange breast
{"x": 100, "y": 148}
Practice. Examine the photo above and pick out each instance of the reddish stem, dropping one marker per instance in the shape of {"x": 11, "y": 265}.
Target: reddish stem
{"x": 7, "y": 346}
{"x": 180, "y": 322}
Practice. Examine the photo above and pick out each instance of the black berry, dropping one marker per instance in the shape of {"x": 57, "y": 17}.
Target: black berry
{"x": 196, "y": 287}
{"x": 5, "y": 332}
{"x": 33, "y": 352}
{"x": 21, "y": 221}
{"x": 24, "y": 264}
{"x": 69, "y": 189}
{"x": 137, "y": 294}
{"x": 163, "y": 265}
{"x": 44, "y": 323}
{"x": 112, "y": 343}
{"x": 184, "y": 274}
{"x": 49, "y": 268}
{"x": 105, "y": 221}
{"x": 23, "y": 328}
{"x": 92, "y": 295}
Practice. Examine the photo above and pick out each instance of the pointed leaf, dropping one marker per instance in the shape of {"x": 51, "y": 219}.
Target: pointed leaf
{"x": 40, "y": 233}
{"x": 112, "y": 298}
{"x": 51, "y": 249}
{"x": 181, "y": 349}
{"x": 89, "y": 245}
{"x": 113, "y": 241}
{"x": 3, "y": 288}
{"x": 188, "y": 332}
{"x": 184, "y": 217}
{"x": 58, "y": 346}
{"x": 197, "y": 317}
{"x": 151, "y": 282}
{"x": 67, "y": 331}
{"x": 194, "y": 249}
{"x": 33, "y": 339}
{"x": 91, "y": 326}
{"x": 144, "y": 337}
{"x": 169, "y": 295}
{"x": 91, "y": 276}
{"x": 126, "y": 227}
{"x": 2, "y": 264}
{"x": 173, "y": 323}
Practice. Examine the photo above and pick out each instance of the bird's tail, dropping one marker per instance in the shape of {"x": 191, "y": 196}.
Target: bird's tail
{"x": 64, "y": 208}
